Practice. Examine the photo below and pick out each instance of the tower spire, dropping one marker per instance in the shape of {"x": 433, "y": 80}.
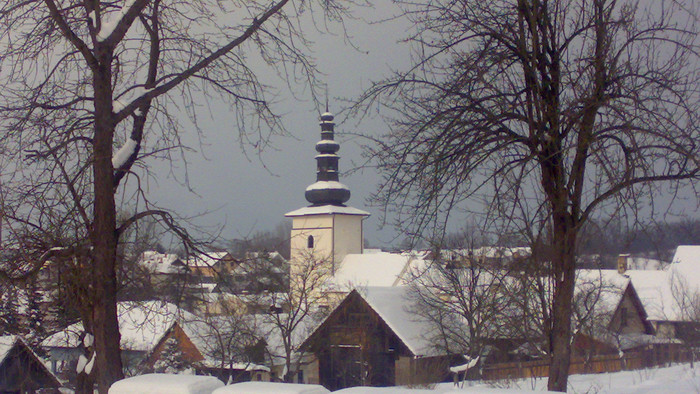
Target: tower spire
{"x": 327, "y": 190}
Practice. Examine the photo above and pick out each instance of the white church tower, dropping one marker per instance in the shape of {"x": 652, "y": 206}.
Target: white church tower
{"x": 327, "y": 228}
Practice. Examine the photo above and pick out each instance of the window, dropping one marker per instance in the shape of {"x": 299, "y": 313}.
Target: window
{"x": 310, "y": 242}
{"x": 300, "y": 377}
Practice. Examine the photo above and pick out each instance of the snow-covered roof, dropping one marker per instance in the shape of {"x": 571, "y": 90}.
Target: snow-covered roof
{"x": 610, "y": 284}
{"x": 662, "y": 292}
{"x": 645, "y": 263}
{"x": 375, "y": 269}
{"x": 271, "y": 387}
{"x": 687, "y": 255}
{"x": 7, "y": 342}
{"x": 326, "y": 210}
{"x": 141, "y": 325}
{"x": 209, "y": 259}
{"x": 655, "y": 292}
{"x": 395, "y": 307}
{"x": 162, "y": 263}
{"x": 490, "y": 252}
{"x": 166, "y": 384}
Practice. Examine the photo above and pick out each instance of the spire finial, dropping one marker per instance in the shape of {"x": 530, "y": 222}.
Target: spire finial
{"x": 327, "y": 190}
{"x": 327, "y": 98}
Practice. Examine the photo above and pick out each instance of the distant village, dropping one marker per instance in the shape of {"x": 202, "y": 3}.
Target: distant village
{"x": 340, "y": 315}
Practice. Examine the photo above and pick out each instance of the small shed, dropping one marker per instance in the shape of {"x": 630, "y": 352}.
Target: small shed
{"x": 21, "y": 371}
{"x": 372, "y": 338}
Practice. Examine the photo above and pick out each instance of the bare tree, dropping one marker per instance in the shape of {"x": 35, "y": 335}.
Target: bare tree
{"x": 292, "y": 314}
{"x": 553, "y": 109}
{"x": 462, "y": 294}
{"x": 89, "y": 90}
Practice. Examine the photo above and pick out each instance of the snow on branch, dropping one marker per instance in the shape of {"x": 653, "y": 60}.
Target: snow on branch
{"x": 108, "y": 26}
{"x": 123, "y": 154}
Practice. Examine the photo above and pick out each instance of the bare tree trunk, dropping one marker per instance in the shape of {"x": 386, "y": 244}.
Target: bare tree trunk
{"x": 560, "y": 334}
{"x": 106, "y": 328}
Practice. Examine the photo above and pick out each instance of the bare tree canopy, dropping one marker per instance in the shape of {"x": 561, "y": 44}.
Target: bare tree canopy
{"x": 91, "y": 88}
{"x": 551, "y": 111}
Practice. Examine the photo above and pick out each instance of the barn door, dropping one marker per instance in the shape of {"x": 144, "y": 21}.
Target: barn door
{"x": 348, "y": 367}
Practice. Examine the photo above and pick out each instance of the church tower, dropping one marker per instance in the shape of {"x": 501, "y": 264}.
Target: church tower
{"x": 327, "y": 228}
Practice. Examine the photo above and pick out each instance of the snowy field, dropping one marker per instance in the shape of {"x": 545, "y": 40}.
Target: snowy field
{"x": 675, "y": 379}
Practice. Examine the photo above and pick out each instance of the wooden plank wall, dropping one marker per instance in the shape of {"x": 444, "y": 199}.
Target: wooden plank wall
{"x": 639, "y": 359}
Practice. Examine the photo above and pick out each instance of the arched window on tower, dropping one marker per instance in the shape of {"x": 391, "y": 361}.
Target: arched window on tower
{"x": 310, "y": 242}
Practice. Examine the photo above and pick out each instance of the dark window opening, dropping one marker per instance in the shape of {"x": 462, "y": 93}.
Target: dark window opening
{"x": 310, "y": 242}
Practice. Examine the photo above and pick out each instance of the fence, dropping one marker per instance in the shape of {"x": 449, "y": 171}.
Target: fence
{"x": 638, "y": 359}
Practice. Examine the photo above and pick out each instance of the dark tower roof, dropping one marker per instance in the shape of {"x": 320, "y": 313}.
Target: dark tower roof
{"x": 327, "y": 190}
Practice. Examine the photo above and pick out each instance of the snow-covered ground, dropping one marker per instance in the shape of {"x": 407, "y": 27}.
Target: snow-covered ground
{"x": 675, "y": 379}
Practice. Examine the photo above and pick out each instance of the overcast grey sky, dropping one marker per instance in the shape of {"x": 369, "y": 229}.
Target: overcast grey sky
{"x": 242, "y": 194}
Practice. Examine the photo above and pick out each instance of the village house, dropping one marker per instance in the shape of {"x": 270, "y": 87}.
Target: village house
{"x": 21, "y": 370}
{"x": 372, "y": 338}
{"x": 152, "y": 331}
{"x": 670, "y": 295}
{"x": 209, "y": 265}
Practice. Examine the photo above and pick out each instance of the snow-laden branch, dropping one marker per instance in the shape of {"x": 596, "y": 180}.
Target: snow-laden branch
{"x": 123, "y": 154}
{"x": 108, "y": 26}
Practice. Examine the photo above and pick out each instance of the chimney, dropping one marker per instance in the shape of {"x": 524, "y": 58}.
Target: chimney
{"x": 622, "y": 263}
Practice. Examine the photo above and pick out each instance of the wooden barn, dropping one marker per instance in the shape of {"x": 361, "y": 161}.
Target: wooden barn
{"x": 373, "y": 339}
{"x": 21, "y": 371}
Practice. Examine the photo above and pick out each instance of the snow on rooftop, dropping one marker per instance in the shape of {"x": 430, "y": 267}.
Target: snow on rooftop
{"x": 208, "y": 259}
{"x": 395, "y": 307}
{"x": 324, "y": 185}
{"x": 141, "y": 325}
{"x": 375, "y": 269}
{"x": 161, "y": 263}
{"x": 6, "y": 344}
{"x": 166, "y": 384}
{"x": 687, "y": 255}
{"x": 270, "y": 387}
{"x": 661, "y": 290}
{"x": 327, "y": 143}
{"x": 326, "y": 210}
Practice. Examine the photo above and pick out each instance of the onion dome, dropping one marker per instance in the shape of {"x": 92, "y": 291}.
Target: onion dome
{"x": 327, "y": 190}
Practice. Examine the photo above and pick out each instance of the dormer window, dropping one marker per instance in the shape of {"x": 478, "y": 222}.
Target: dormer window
{"x": 310, "y": 242}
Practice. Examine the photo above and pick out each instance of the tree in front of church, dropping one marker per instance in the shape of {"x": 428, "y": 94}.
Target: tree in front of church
{"x": 550, "y": 111}
{"x": 92, "y": 88}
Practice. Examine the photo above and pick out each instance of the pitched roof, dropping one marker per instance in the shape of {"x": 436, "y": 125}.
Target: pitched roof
{"x": 9, "y": 342}
{"x": 661, "y": 290}
{"x": 395, "y": 306}
{"x": 141, "y": 325}
{"x": 376, "y": 269}
{"x": 162, "y": 263}
{"x": 209, "y": 259}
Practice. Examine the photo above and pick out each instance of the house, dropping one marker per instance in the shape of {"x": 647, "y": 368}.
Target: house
{"x": 141, "y": 325}
{"x": 156, "y": 334}
{"x": 373, "y": 339}
{"x": 21, "y": 370}
{"x": 163, "y": 266}
{"x": 209, "y": 265}
{"x": 671, "y": 295}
